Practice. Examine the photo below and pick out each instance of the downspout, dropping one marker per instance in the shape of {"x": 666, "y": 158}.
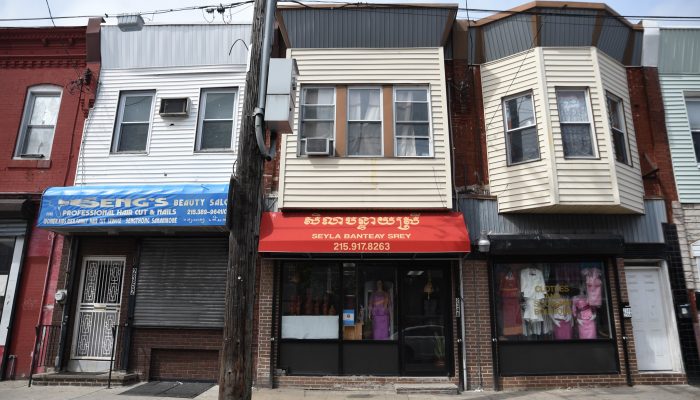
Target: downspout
{"x": 620, "y": 313}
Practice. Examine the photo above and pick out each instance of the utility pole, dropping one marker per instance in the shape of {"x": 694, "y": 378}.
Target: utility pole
{"x": 235, "y": 378}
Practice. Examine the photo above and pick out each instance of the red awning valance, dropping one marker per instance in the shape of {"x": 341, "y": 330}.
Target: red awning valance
{"x": 363, "y": 232}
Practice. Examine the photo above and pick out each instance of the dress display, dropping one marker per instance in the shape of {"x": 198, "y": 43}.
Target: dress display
{"x": 585, "y": 315}
{"x": 559, "y": 310}
{"x": 380, "y": 314}
{"x": 594, "y": 286}
{"x": 533, "y": 290}
{"x": 510, "y": 304}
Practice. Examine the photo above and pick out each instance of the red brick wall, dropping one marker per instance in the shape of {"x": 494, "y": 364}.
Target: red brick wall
{"x": 652, "y": 139}
{"x": 466, "y": 105}
{"x": 183, "y": 354}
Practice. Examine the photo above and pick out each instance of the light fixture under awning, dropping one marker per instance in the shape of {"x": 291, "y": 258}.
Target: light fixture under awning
{"x": 363, "y": 232}
{"x": 133, "y": 207}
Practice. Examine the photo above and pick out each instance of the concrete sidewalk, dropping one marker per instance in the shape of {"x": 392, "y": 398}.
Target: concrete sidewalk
{"x": 18, "y": 390}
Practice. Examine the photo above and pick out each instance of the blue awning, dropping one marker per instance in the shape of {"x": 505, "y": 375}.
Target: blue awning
{"x": 133, "y": 207}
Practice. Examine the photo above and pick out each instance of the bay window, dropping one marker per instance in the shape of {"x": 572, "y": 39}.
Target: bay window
{"x": 522, "y": 143}
{"x": 693, "y": 108}
{"x": 616, "y": 117}
{"x": 575, "y": 123}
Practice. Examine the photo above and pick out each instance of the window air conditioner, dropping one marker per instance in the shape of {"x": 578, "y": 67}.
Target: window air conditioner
{"x": 174, "y": 107}
{"x": 317, "y": 147}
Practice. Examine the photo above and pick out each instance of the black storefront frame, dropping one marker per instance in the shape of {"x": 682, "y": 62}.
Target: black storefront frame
{"x": 497, "y": 345}
{"x": 446, "y": 265}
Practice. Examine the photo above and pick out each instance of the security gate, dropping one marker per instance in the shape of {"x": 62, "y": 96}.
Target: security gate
{"x": 98, "y": 307}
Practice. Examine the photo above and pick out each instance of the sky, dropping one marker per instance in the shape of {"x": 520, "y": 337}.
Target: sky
{"x": 242, "y": 14}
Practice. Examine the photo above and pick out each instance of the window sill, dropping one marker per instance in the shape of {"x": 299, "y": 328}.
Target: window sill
{"x": 214, "y": 151}
{"x": 29, "y": 164}
{"x": 129, "y": 153}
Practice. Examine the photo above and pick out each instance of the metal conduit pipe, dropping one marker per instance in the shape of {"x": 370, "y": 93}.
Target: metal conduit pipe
{"x": 259, "y": 112}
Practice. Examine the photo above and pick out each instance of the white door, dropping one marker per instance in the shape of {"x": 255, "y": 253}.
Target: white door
{"x": 650, "y": 319}
{"x": 97, "y": 312}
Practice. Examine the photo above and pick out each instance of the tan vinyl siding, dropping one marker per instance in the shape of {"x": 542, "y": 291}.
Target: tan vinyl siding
{"x": 170, "y": 154}
{"x": 629, "y": 178}
{"x": 525, "y": 185}
{"x": 370, "y": 182}
{"x": 556, "y": 184}
{"x": 574, "y": 68}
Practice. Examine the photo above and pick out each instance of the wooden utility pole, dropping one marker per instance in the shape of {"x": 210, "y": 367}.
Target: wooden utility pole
{"x": 235, "y": 378}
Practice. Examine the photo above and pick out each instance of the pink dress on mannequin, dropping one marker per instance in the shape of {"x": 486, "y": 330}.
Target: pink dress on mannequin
{"x": 594, "y": 286}
{"x": 585, "y": 318}
{"x": 379, "y": 301}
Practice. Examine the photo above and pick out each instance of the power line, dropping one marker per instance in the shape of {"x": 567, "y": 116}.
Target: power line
{"x": 154, "y": 12}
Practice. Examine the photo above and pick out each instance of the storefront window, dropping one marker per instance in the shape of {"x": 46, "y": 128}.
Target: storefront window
{"x": 7, "y": 247}
{"x": 551, "y": 301}
{"x": 310, "y": 307}
{"x": 369, "y": 311}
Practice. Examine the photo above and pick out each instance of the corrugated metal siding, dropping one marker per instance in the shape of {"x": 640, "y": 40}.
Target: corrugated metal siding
{"x": 181, "y": 282}
{"x": 10, "y": 227}
{"x": 629, "y": 178}
{"x": 685, "y": 166}
{"x": 637, "y": 51}
{"x": 173, "y": 46}
{"x": 171, "y": 157}
{"x": 507, "y": 36}
{"x": 482, "y": 215}
{"x": 361, "y": 182}
{"x": 613, "y": 39}
{"x": 525, "y": 185}
{"x": 566, "y": 29}
{"x": 310, "y": 28}
{"x": 679, "y": 51}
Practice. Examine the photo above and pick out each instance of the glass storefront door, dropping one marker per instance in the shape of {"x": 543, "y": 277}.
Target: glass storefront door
{"x": 366, "y": 318}
{"x": 424, "y": 311}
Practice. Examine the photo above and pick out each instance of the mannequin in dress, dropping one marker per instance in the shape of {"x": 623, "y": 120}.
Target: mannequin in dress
{"x": 379, "y": 309}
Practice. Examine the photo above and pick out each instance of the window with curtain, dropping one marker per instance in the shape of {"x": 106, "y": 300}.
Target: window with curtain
{"x": 693, "y": 107}
{"x": 364, "y": 133}
{"x": 216, "y": 119}
{"x": 575, "y": 123}
{"x": 317, "y": 115}
{"x": 522, "y": 142}
{"x": 412, "y": 122}
{"x": 616, "y": 117}
{"x": 39, "y": 122}
{"x": 133, "y": 122}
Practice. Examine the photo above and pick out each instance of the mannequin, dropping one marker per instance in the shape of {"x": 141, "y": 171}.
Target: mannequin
{"x": 510, "y": 304}
{"x": 559, "y": 310}
{"x": 379, "y": 309}
{"x": 585, "y": 317}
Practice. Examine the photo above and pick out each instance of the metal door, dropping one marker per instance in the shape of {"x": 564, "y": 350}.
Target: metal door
{"x": 98, "y": 307}
{"x": 649, "y": 323}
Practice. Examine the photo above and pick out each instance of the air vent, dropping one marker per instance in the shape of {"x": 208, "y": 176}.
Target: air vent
{"x": 174, "y": 107}
{"x": 317, "y": 147}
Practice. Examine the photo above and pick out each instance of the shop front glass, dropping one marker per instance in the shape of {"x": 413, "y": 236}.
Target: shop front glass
{"x": 557, "y": 310}
{"x": 365, "y": 318}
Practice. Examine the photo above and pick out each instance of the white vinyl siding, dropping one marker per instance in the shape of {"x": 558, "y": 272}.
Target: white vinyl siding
{"x": 629, "y": 176}
{"x": 378, "y": 182}
{"x": 675, "y": 90}
{"x": 524, "y": 185}
{"x": 556, "y": 183}
{"x": 171, "y": 156}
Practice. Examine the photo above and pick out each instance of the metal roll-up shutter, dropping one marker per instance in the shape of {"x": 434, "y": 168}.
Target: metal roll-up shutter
{"x": 9, "y": 227}
{"x": 181, "y": 282}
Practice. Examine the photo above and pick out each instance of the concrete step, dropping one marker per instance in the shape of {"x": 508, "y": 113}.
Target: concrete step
{"x": 119, "y": 378}
{"x": 426, "y": 388}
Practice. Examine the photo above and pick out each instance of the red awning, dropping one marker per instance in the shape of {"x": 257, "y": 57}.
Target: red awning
{"x": 363, "y": 232}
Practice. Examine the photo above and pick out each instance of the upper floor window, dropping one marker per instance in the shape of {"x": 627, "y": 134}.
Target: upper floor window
{"x": 693, "y": 106}
{"x": 412, "y": 126}
{"x": 216, "y": 123}
{"x": 317, "y": 115}
{"x": 575, "y": 123}
{"x": 616, "y": 116}
{"x": 133, "y": 122}
{"x": 522, "y": 143}
{"x": 38, "y": 122}
{"x": 364, "y": 122}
